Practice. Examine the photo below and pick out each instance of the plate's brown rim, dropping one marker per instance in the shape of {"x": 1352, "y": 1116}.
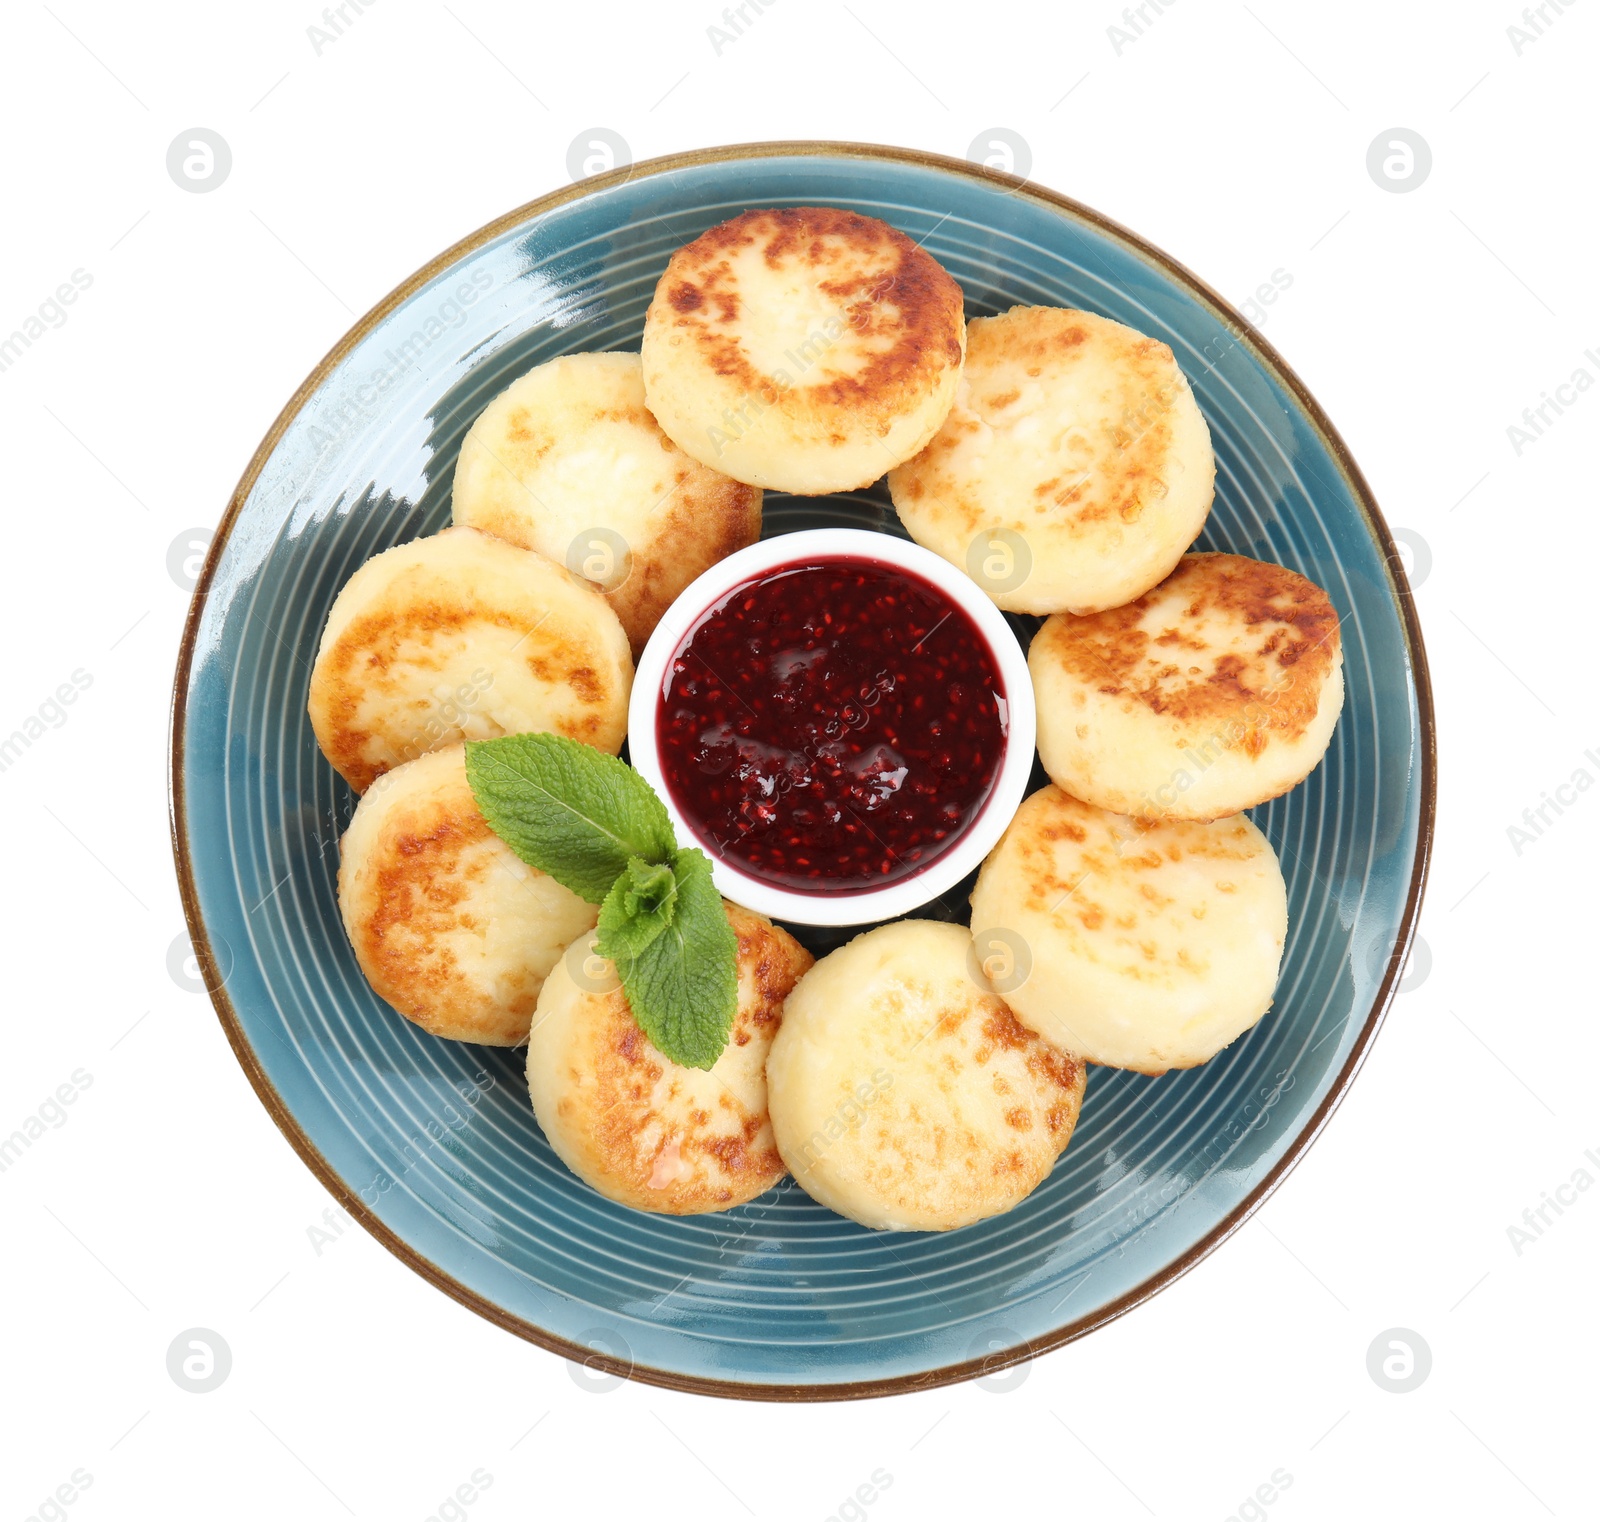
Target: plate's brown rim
{"x": 950, "y": 1373}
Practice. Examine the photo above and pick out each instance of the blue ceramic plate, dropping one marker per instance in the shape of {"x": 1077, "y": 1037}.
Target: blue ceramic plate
{"x": 432, "y": 1145}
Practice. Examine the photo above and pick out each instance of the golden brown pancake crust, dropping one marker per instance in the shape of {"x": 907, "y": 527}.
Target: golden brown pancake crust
{"x": 373, "y": 644}
{"x": 890, "y": 289}
{"x": 1055, "y": 816}
{"x": 1057, "y": 1075}
{"x": 432, "y": 853}
{"x": 420, "y": 620}
{"x": 1278, "y": 679}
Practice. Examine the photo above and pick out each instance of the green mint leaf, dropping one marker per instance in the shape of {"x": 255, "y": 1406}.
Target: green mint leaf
{"x": 641, "y": 904}
{"x": 568, "y": 809}
{"x": 683, "y": 987}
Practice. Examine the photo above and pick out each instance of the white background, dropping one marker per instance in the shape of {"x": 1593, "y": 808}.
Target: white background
{"x": 1236, "y": 138}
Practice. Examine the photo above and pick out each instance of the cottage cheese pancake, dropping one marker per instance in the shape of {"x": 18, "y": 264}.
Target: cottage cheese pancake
{"x": 1215, "y": 691}
{"x": 1143, "y": 944}
{"x": 806, "y": 349}
{"x": 449, "y": 925}
{"x": 567, "y": 460}
{"x": 1073, "y": 469}
{"x": 464, "y": 637}
{"x": 632, "y": 1123}
{"x": 906, "y": 1095}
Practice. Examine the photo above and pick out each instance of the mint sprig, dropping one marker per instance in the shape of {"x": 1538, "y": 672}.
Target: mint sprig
{"x": 596, "y": 826}
{"x": 640, "y": 905}
{"x": 573, "y": 812}
{"x": 683, "y": 986}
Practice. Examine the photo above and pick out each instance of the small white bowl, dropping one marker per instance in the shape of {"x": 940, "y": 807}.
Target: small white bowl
{"x": 1011, "y": 781}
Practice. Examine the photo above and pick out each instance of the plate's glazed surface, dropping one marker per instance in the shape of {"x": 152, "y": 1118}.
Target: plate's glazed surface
{"x": 433, "y": 1145}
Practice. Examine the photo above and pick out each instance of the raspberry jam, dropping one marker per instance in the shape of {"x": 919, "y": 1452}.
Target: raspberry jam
{"x": 832, "y": 725}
